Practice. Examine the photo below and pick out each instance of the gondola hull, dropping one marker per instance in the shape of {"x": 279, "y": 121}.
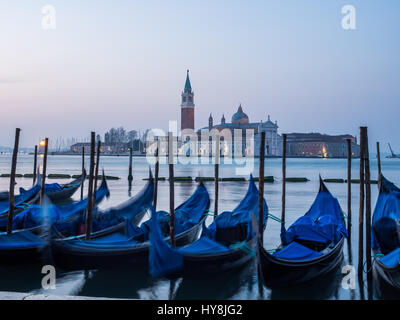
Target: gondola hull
{"x": 63, "y": 194}
{"x": 77, "y": 258}
{"x": 389, "y": 275}
{"x": 21, "y": 247}
{"x": 212, "y": 264}
{"x": 25, "y": 255}
{"x": 283, "y": 273}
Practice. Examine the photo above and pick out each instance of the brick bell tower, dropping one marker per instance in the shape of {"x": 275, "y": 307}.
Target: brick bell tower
{"x": 187, "y": 106}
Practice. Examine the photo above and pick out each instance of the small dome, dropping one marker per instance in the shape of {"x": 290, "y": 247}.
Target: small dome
{"x": 240, "y": 117}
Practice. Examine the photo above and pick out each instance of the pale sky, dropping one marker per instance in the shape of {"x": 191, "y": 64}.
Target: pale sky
{"x": 123, "y": 63}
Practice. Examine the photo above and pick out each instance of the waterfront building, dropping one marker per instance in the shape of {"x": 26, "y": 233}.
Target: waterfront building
{"x": 321, "y": 145}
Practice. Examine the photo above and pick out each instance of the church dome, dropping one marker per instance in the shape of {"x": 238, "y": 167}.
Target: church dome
{"x": 240, "y": 117}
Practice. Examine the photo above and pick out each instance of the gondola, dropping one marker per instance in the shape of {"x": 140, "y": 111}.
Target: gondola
{"x": 385, "y": 234}
{"x": 28, "y": 240}
{"x": 59, "y": 192}
{"x": 129, "y": 245}
{"x": 311, "y": 247}
{"x": 227, "y": 244}
{"x": 32, "y": 218}
{"x": 28, "y": 244}
{"x": 20, "y": 201}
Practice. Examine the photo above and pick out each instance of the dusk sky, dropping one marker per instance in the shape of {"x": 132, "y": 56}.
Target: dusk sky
{"x": 123, "y": 63}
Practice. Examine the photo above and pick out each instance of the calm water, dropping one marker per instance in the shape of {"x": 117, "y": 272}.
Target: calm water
{"x": 127, "y": 283}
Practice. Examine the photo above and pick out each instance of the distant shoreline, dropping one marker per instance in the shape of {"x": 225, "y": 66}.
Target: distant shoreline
{"x": 144, "y": 155}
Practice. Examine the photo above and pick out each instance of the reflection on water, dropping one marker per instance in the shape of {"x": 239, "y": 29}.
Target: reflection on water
{"x": 130, "y": 282}
{"x": 325, "y": 287}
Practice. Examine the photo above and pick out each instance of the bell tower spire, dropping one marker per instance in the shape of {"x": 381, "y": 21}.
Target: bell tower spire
{"x": 187, "y": 105}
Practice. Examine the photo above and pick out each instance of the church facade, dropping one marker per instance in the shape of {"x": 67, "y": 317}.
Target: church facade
{"x": 238, "y": 137}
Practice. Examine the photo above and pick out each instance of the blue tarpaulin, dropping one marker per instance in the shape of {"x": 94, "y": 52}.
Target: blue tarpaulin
{"x": 20, "y": 239}
{"x": 392, "y": 259}
{"x": 34, "y": 216}
{"x": 297, "y": 252}
{"x": 164, "y": 259}
{"x": 241, "y": 215}
{"x": 322, "y": 223}
{"x": 187, "y": 215}
{"x": 204, "y": 245}
{"x": 386, "y": 217}
{"x": 19, "y": 199}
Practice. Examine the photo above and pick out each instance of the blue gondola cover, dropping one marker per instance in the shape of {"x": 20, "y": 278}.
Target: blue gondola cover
{"x": 386, "y": 217}
{"x": 297, "y": 252}
{"x": 164, "y": 259}
{"x": 322, "y": 223}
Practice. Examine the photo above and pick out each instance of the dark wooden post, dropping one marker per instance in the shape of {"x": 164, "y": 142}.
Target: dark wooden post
{"x": 35, "y": 165}
{"x": 261, "y": 188}
{"x": 171, "y": 188}
{"x": 90, "y": 189}
{"x": 96, "y": 177}
{"x": 367, "y": 208}
{"x": 216, "y": 174}
{"x": 156, "y": 172}
{"x": 46, "y": 146}
{"x": 378, "y": 155}
{"x": 361, "y": 210}
{"x": 130, "y": 176}
{"x": 12, "y": 181}
{"x": 348, "y": 141}
{"x": 83, "y": 171}
{"x": 283, "y": 217}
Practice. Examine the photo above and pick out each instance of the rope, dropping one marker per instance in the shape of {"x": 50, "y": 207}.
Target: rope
{"x": 274, "y": 218}
{"x": 210, "y": 213}
{"x": 374, "y": 257}
{"x": 244, "y": 247}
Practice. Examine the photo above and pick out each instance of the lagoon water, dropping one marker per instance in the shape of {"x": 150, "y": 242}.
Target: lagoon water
{"x": 123, "y": 282}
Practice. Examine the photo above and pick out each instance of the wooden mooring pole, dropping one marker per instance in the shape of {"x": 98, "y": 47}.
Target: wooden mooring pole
{"x": 261, "y": 188}
{"x": 378, "y": 155}
{"x": 156, "y": 172}
{"x": 367, "y": 208}
{"x": 130, "y": 176}
{"x": 171, "y": 188}
{"x": 284, "y": 151}
{"x": 349, "y": 154}
{"x": 35, "y": 165}
{"x": 361, "y": 209}
{"x": 216, "y": 174}
{"x": 83, "y": 171}
{"x": 44, "y": 170}
{"x": 12, "y": 181}
{"x": 96, "y": 177}
{"x": 90, "y": 188}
